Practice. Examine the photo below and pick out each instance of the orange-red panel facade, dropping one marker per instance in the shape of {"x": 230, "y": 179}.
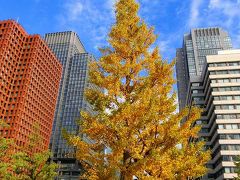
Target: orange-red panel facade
{"x": 29, "y": 82}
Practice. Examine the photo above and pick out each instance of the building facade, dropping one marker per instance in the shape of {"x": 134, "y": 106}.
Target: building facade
{"x": 217, "y": 91}
{"x": 75, "y": 60}
{"x": 29, "y": 80}
{"x": 190, "y": 59}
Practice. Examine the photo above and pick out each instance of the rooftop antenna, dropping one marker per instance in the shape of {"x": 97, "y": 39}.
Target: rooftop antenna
{"x": 17, "y": 19}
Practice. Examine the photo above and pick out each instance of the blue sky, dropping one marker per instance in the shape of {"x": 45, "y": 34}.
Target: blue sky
{"x": 91, "y": 19}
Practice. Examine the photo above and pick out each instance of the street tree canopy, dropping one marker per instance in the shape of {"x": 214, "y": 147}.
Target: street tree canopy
{"x": 136, "y": 119}
{"x": 26, "y": 162}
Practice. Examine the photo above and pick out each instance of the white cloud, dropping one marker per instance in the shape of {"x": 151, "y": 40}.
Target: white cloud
{"x": 226, "y": 13}
{"x": 87, "y": 17}
{"x": 165, "y": 43}
{"x": 74, "y": 9}
{"x": 163, "y": 46}
{"x": 220, "y": 13}
{"x": 230, "y": 9}
{"x": 95, "y": 19}
{"x": 194, "y": 18}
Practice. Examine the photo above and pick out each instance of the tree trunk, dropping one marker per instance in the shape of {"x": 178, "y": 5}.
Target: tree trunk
{"x": 122, "y": 176}
{"x": 125, "y": 157}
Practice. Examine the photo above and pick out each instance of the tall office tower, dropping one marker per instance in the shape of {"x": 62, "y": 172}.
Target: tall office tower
{"x": 29, "y": 80}
{"x": 190, "y": 59}
{"x": 72, "y": 55}
{"x": 217, "y": 91}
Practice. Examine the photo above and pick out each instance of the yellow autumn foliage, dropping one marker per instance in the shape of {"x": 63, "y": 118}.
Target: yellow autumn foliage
{"x": 136, "y": 117}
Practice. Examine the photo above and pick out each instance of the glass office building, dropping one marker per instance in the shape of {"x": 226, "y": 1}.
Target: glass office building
{"x": 191, "y": 58}
{"x": 208, "y": 76}
{"x": 75, "y": 60}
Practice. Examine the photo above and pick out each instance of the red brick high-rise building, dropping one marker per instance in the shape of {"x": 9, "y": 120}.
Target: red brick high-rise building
{"x": 29, "y": 82}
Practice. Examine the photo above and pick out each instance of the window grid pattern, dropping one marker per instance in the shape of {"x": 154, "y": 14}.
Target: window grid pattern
{"x": 71, "y": 92}
{"x": 221, "y": 116}
{"x": 29, "y": 81}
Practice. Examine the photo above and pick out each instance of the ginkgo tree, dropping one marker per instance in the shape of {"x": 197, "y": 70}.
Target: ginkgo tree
{"x": 136, "y": 119}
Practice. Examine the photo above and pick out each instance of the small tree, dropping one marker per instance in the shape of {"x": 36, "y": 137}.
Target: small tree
{"x": 237, "y": 163}
{"x": 26, "y": 162}
{"x": 33, "y": 167}
{"x": 137, "y": 119}
{"x": 5, "y": 152}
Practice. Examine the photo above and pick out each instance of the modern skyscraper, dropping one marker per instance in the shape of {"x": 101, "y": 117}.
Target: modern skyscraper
{"x": 29, "y": 82}
{"x": 75, "y": 60}
{"x": 208, "y": 76}
{"x": 217, "y": 91}
{"x": 191, "y": 57}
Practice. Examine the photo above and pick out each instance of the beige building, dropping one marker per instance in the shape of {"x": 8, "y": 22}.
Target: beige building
{"x": 217, "y": 91}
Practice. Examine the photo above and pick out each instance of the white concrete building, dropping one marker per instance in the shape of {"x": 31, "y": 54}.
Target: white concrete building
{"x": 217, "y": 91}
